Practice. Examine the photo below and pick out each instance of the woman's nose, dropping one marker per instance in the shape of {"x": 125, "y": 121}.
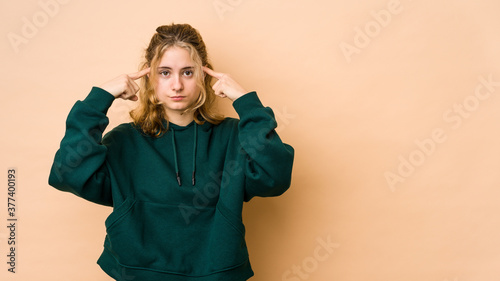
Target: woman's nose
{"x": 176, "y": 83}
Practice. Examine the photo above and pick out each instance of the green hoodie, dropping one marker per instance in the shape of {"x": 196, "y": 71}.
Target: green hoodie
{"x": 177, "y": 199}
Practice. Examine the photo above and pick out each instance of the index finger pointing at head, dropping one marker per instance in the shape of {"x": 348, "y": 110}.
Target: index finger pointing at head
{"x": 212, "y": 73}
{"x": 139, "y": 74}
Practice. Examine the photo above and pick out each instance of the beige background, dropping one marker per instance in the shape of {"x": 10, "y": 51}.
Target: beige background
{"x": 398, "y": 102}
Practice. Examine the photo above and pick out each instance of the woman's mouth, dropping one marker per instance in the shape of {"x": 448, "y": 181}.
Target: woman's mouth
{"x": 177, "y": 98}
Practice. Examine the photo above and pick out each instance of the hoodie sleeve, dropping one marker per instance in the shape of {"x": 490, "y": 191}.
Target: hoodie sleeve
{"x": 79, "y": 164}
{"x": 268, "y": 161}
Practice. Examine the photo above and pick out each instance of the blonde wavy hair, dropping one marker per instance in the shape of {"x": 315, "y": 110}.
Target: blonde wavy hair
{"x": 150, "y": 113}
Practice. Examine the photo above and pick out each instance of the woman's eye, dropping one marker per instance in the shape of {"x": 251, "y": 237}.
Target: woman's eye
{"x": 164, "y": 73}
{"x": 188, "y": 73}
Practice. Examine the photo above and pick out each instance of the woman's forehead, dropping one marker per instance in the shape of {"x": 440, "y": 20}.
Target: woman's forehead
{"x": 176, "y": 58}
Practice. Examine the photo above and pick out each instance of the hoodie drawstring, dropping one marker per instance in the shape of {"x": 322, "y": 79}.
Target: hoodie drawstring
{"x": 177, "y": 174}
{"x": 194, "y": 152}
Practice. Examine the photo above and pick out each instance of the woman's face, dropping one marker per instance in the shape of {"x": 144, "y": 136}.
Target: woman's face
{"x": 176, "y": 83}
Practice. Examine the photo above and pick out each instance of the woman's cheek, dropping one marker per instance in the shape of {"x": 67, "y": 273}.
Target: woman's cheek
{"x": 162, "y": 85}
{"x": 191, "y": 83}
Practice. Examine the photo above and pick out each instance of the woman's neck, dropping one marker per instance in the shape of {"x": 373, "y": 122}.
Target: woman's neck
{"x": 179, "y": 118}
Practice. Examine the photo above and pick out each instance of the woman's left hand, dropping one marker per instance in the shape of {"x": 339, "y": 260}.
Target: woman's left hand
{"x": 225, "y": 86}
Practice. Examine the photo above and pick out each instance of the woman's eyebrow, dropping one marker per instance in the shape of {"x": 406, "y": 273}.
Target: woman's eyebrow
{"x": 169, "y": 68}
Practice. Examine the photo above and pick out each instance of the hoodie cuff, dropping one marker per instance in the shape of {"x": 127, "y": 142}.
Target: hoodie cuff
{"x": 247, "y": 103}
{"x": 99, "y": 99}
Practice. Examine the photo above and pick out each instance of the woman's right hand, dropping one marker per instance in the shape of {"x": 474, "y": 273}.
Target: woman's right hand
{"x": 124, "y": 86}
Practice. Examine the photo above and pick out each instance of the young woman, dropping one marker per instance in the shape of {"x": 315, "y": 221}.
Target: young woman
{"x": 177, "y": 176}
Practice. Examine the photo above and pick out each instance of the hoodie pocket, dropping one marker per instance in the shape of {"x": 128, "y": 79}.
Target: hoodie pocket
{"x": 158, "y": 237}
{"x": 118, "y": 213}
